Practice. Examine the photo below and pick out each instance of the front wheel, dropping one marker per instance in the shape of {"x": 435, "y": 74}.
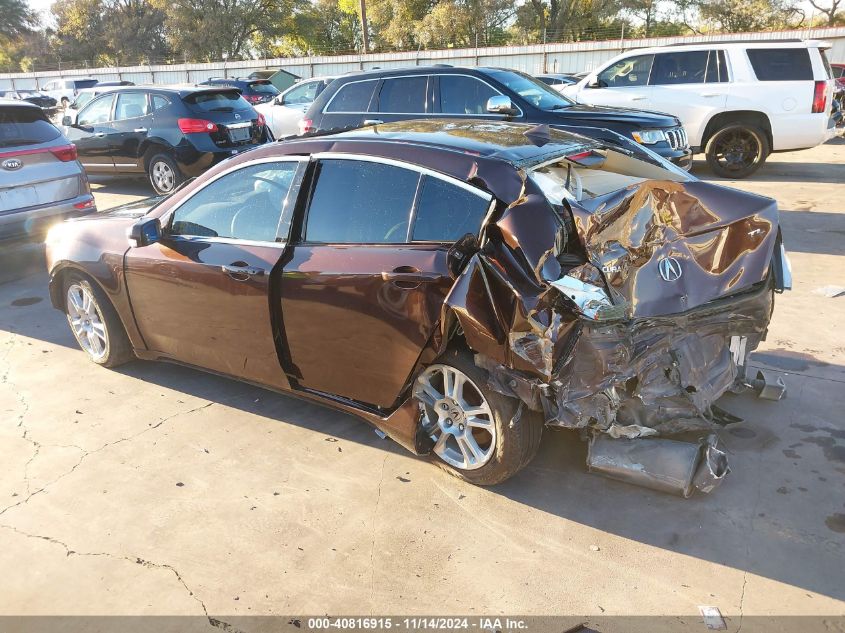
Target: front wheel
{"x": 164, "y": 174}
{"x": 479, "y": 435}
{"x": 95, "y": 324}
{"x": 737, "y": 151}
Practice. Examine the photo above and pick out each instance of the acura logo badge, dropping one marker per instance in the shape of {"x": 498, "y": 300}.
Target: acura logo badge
{"x": 670, "y": 269}
{"x": 12, "y": 164}
{"x": 237, "y": 116}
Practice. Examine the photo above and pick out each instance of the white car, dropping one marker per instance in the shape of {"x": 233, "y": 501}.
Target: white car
{"x": 64, "y": 91}
{"x": 284, "y": 113}
{"x": 738, "y": 101}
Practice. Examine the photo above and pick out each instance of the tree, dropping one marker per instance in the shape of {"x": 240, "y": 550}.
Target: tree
{"x": 133, "y": 31}
{"x": 740, "y": 16}
{"x": 465, "y": 23}
{"x": 562, "y": 20}
{"x": 830, "y": 12}
{"x": 16, "y": 19}
{"x": 80, "y": 31}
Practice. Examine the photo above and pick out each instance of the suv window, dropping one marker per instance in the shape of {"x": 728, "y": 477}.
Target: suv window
{"x": 446, "y": 212}
{"x": 211, "y": 101}
{"x": 245, "y": 204}
{"x": 717, "y": 68}
{"x": 24, "y": 126}
{"x": 159, "y": 102}
{"x": 781, "y": 64}
{"x": 631, "y": 71}
{"x": 403, "y": 95}
{"x": 264, "y": 87}
{"x": 98, "y": 111}
{"x": 305, "y": 92}
{"x": 353, "y": 97}
{"x": 79, "y": 84}
{"x": 464, "y": 95}
{"x": 688, "y": 67}
{"x": 361, "y": 202}
{"x": 130, "y": 105}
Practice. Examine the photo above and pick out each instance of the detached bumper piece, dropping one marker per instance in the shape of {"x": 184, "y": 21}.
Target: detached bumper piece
{"x": 670, "y": 466}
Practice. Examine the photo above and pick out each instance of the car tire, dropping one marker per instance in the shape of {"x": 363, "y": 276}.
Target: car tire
{"x": 501, "y": 434}
{"x": 164, "y": 174}
{"x": 94, "y": 322}
{"x": 737, "y": 151}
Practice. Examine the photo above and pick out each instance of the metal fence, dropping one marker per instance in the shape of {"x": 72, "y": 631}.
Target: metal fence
{"x": 552, "y": 57}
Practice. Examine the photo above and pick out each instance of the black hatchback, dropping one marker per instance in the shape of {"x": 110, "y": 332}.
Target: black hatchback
{"x": 384, "y": 96}
{"x": 253, "y": 90}
{"x": 168, "y": 133}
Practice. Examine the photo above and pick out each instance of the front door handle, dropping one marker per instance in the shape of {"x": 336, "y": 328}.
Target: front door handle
{"x": 241, "y": 272}
{"x": 373, "y": 122}
{"x": 99, "y": 134}
{"x": 410, "y": 275}
{"x": 140, "y": 129}
{"x": 637, "y": 98}
{"x": 712, "y": 94}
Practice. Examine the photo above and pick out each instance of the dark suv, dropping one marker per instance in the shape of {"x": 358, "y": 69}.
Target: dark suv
{"x": 382, "y": 96}
{"x": 253, "y": 90}
{"x": 169, "y": 133}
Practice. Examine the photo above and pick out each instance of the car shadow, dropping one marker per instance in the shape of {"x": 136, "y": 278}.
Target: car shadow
{"x": 778, "y": 171}
{"x": 751, "y": 523}
{"x": 121, "y": 185}
{"x": 808, "y": 231}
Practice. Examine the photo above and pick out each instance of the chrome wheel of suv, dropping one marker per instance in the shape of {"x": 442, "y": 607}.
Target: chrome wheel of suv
{"x": 162, "y": 176}
{"x": 86, "y": 321}
{"x": 457, "y": 416}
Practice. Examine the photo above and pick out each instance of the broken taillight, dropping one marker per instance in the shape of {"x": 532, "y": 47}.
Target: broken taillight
{"x": 819, "y": 97}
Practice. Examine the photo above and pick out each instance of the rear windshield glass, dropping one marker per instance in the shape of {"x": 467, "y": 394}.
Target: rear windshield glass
{"x": 217, "y": 101}
{"x": 264, "y": 87}
{"x": 24, "y": 126}
{"x": 85, "y": 83}
{"x": 781, "y": 64}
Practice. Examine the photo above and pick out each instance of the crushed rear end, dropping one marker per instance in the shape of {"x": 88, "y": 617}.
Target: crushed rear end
{"x": 621, "y": 298}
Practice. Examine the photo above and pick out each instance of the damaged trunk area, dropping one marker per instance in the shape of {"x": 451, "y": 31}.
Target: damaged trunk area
{"x": 621, "y": 299}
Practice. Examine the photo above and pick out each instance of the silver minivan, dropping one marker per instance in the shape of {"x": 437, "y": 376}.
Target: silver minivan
{"x": 41, "y": 180}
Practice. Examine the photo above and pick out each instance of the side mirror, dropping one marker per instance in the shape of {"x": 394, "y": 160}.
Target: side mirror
{"x": 67, "y": 121}
{"x": 278, "y": 101}
{"x": 595, "y": 83}
{"x": 144, "y": 232}
{"x": 500, "y": 104}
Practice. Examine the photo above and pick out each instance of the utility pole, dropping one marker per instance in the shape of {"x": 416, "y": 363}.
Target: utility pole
{"x": 364, "y": 33}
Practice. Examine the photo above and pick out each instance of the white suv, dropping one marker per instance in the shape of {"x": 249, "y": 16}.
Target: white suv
{"x": 65, "y": 90}
{"x": 738, "y": 101}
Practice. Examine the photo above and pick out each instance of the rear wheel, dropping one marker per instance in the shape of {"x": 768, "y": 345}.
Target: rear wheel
{"x": 164, "y": 174}
{"x": 478, "y": 435}
{"x": 737, "y": 151}
{"x": 95, "y": 324}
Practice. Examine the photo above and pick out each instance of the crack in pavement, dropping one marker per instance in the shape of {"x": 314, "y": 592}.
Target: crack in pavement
{"x": 215, "y": 622}
{"x": 85, "y": 454}
{"x": 373, "y": 533}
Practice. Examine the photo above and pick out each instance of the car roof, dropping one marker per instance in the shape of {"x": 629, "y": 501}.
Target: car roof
{"x": 440, "y": 69}
{"x": 182, "y": 90}
{"x": 18, "y": 103}
{"x": 727, "y": 44}
{"x": 520, "y": 144}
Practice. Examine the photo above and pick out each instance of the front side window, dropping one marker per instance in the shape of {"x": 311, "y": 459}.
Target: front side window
{"x": 781, "y": 64}
{"x": 631, "y": 71}
{"x": 446, "y": 212}
{"x": 303, "y": 93}
{"x": 130, "y": 105}
{"x": 353, "y": 97}
{"x": 687, "y": 67}
{"x": 535, "y": 92}
{"x": 98, "y": 111}
{"x": 464, "y": 95}
{"x": 361, "y": 202}
{"x": 245, "y": 204}
{"x": 403, "y": 95}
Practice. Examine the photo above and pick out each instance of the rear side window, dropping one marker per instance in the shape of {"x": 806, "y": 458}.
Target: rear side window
{"x": 24, "y": 126}
{"x": 159, "y": 102}
{"x": 353, "y": 97}
{"x": 446, "y": 212}
{"x": 688, "y": 67}
{"x": 403, "y": 95}
{"x": 781, "y": 64}
{"x": 130, "y": 105}
{"x": 361, "y": 202}
{"x": 217, "y": 101}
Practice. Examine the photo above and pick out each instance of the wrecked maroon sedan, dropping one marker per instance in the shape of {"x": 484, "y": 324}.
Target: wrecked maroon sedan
{"x": 458, "y": 284}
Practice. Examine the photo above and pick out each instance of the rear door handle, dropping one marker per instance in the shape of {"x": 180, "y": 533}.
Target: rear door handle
{"x": 410, "y": 275}
{"x": 373, "y": 122}
{"x": 711, "y": 94}
{"x": 637, "y": 98}
{"x": 242, "y": 273}
{"x": 140, "y": 129}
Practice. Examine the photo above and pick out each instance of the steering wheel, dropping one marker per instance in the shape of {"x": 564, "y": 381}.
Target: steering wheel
{"x": 393, "y": 229}
{"x": 237, "y": 217}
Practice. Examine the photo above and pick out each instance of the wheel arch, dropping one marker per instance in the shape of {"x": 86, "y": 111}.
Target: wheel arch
{"x": 749, "y": 117}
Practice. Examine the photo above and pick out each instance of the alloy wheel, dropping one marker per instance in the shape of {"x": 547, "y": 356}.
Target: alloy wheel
{"x": 456, "y": 416}
{"x": 86, "y": 321}
{"x": 737, "y": 150}
{"x": 163, "y": 176}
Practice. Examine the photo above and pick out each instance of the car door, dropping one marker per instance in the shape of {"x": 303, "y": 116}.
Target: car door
{"x": 692, "y": 85}
{"x": 401, "y": 98}
{"x": 363, "y": 286}
{"x": 201, "y": 295}
{"x": 349, "y": 106}
{"x": 132, "y": 121}
{"x": 91, "y": 133}
{"x": 622, "y": 84}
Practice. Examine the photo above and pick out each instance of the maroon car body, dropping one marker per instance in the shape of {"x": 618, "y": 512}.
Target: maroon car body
{"x": 619, "y": 309}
